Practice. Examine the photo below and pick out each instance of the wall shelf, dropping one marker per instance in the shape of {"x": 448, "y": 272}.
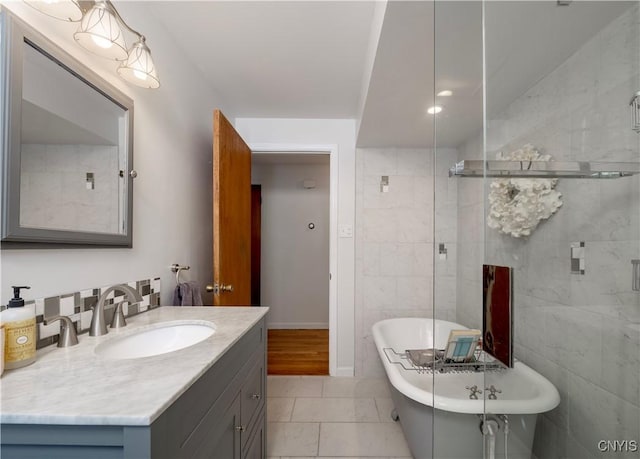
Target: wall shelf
{"x": 543, "y": 169}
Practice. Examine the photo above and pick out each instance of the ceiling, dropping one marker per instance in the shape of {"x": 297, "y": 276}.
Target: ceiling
{"x": 277, "y": 59}
{"x": 44, "y": 127}
{"x": 311, "y": 59}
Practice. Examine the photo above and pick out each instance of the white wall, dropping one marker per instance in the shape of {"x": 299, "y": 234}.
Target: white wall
{"x": 294, "y": 258}
{"x": 341, "y": 134}
{"x": 172, "y": 211}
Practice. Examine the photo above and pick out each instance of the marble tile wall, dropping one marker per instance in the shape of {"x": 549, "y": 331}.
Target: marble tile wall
{"x": 580, "y": 331}
{"x": 54, "y": 192}
{"x": 78, "y": 307}
{"x": 396, "y": 233}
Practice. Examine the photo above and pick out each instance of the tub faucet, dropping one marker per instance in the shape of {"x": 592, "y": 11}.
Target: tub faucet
{"x": 98, "y": 323}
{"x": 493, "y": 390}
{"x": 474, "y": 392}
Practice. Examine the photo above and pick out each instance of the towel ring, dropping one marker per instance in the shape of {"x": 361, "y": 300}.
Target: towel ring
{"x": 176, "y": 268}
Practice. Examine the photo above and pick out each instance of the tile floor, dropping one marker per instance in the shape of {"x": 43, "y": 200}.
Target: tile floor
{"x": 321, "y": 416}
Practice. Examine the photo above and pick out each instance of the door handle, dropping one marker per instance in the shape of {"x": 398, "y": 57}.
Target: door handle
{"x": 217, "y": 288}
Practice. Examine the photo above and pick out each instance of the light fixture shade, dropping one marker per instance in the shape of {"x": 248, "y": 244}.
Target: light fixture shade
{"x": 101, "y": 34}
{"x": 139, "y": 68}
{"x": 66, "y": 10}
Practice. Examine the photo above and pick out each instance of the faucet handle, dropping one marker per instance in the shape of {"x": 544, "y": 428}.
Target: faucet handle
{"x": 474, "y": 391}
{"x": 68, "y": 335}
{"x": 118, "y": 317}
{"x": 493, "y": 390}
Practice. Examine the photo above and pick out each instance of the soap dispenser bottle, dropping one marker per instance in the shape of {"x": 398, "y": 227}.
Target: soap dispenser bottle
{"x": 19, "y": 332}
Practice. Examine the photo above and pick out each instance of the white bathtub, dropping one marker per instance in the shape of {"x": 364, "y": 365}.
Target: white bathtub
{"x": 447, "y": 410}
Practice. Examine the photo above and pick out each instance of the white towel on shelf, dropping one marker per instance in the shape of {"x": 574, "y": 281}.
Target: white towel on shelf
{"x": 187, "y": 294}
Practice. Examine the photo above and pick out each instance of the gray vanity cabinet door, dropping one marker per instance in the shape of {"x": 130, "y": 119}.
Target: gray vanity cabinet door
{"x": 223, "y": 441}
{"x": 256, "y": 447}
{"x": 253, "y": 394}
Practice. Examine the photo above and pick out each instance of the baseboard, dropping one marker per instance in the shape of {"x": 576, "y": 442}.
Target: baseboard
{"x": 343, "y": 372}
{"x": 298, "y": 325}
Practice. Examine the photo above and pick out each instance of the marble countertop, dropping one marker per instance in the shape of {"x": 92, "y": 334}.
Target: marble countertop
{"x": 75, "y": 386}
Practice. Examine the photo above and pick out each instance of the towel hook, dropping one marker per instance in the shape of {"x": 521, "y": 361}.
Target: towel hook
{"x": 176, "y": 268}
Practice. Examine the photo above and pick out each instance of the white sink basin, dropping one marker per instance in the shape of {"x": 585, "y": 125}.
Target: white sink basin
{"x": 160, "y": 339}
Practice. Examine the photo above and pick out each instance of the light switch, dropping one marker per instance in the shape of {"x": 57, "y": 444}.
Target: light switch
{"x": 345, "y": 231}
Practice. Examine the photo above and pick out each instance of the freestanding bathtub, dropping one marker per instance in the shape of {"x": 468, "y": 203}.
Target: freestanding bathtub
{"x": 438, "y": 417}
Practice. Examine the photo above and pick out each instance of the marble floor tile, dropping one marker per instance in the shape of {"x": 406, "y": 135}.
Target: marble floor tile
{"x": 292, "y": 439}
{"x": 279, "y": 409}
{"x": 294, "y": 386}
{"x": 334, "y": 410}
{"x": 384, "y": 406}
{"x": 362, "y": 439}
{"x": 326, "y": 417}
{"x": 355, "y": 387}
{"x": 342, "y": 457}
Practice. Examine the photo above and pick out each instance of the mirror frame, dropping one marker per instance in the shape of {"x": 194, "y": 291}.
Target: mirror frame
{"x": 14, "y": 34}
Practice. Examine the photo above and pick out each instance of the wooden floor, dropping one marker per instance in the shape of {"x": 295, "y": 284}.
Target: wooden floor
{"x": 298, "y": 352}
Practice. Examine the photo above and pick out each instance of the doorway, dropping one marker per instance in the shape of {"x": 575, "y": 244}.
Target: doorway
{"x": 294, "y": 273}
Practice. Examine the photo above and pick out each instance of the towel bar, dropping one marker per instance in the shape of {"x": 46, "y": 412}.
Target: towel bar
{"x": 176, "y": 268}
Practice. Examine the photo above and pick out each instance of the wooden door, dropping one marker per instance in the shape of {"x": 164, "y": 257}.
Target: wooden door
{"x": 231, "y": 215}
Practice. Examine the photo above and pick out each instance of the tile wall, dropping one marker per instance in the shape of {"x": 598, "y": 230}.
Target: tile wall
{"x": 580, "y": 331}
{"x": 395, "y": 239}
{"x": 54, "y": 192}
{"x": 78, "y": 306}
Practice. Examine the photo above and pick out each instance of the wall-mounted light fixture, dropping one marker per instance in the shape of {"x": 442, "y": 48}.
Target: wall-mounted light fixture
{"x": 101, "y": 32}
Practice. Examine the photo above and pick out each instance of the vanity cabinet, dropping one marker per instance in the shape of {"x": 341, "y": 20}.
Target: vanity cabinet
{"x": 221, "y": 415}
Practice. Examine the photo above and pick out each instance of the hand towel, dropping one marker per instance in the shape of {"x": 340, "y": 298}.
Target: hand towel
{"x": 187, "y": 294}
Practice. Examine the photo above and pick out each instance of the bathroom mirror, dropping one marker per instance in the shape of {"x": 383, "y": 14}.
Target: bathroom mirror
{"x": 67, "y": 147}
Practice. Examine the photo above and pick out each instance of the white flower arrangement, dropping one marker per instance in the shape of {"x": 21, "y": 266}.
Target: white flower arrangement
{"x": 517, "y": 205}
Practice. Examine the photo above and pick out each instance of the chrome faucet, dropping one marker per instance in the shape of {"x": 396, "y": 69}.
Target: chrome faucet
{"x": 98, "y": 322}
{"x": 68, "y": 336}
{"x": 474, "y": 392}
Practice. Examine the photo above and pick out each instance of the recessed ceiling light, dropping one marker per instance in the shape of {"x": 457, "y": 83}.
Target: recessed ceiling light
{"x": 435, "y": 109}
{"x": 445, "y": 93}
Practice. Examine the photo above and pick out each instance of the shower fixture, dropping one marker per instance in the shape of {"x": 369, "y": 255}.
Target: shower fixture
{"x": 543, "y": 169}
{"x": 635, "y": 112}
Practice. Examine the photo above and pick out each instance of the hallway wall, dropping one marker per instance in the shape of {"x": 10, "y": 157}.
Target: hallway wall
{"x": 294, "y": 259}
{"x": 340, "y": 136}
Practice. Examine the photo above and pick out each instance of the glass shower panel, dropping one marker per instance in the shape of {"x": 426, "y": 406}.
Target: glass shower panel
{"x": 457, "y": 402}
{"x": 559, "y": 79}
